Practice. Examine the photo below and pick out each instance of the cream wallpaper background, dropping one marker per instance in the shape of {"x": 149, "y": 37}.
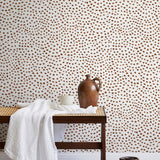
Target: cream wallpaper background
{"x": 47, "y": 48}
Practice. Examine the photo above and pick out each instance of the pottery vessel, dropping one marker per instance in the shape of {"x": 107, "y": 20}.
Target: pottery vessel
{"x": 66, "y": 100}
{"x": 88, "y": 91}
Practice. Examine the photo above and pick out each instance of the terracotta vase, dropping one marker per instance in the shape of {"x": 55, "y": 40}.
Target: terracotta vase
{"x": 88, "y": 91}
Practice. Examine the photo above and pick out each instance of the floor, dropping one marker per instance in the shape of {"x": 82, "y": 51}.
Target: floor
{"x": 3, "y": 156}
{"x": 96, "y": 156}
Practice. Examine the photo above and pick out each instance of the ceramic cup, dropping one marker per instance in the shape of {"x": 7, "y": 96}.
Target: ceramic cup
{"x": 66, "y": 100}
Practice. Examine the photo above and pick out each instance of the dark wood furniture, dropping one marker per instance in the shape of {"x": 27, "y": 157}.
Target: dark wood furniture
{"x": 128, "y": 158}
{"x": 98, "y": 117}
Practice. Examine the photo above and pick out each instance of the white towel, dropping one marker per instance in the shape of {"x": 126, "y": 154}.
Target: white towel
{"x": 31, "y": 132}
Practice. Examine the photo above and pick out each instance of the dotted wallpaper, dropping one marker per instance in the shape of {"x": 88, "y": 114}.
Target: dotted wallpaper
{"x": 47, "y": 47}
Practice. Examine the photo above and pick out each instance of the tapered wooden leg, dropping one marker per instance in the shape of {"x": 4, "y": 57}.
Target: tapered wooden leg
{"x": 103, "y": 141}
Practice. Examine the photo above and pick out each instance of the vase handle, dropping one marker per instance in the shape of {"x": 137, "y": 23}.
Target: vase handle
{"x": 100, "y": 83}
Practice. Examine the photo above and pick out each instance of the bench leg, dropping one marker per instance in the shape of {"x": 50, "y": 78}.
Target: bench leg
{"x": 103, "y": 141}
{"x": 2, "y": 145}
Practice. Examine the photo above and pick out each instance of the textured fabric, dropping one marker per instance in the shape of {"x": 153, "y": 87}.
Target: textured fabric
{"x": 31, "y": 132}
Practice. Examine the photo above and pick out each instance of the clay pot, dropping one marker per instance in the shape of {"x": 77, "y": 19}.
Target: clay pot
{"x": 88, "y": 91}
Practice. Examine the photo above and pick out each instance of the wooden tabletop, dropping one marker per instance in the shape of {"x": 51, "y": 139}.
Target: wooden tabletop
{"x": 98, "y": 117}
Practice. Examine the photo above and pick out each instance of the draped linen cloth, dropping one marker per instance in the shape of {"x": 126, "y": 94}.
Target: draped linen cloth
{"x": 31, "y": 130}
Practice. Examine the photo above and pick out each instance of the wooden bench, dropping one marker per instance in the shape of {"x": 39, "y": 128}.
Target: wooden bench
{"x": 98, "y": 117}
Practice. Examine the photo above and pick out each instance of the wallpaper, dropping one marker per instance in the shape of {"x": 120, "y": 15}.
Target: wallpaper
{"x": 47, "y": 48}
